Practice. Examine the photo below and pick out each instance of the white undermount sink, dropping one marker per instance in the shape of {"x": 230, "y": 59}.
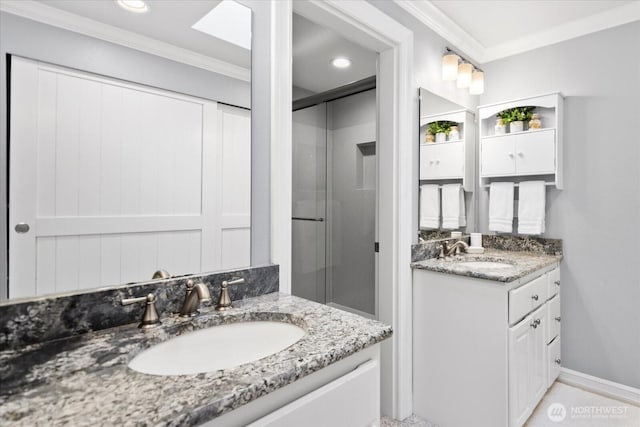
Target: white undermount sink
{"x": 217, "y": 347}
{"x": 485, "y": 265}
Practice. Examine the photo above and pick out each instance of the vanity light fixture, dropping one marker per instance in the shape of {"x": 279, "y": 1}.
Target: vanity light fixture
{"x": 477, "y": 83}
{"x": 341, "y": 62}
{"x": 450, "y": 66}
{"x": 136, "y": 6}
{"x": 464, "y": 75}
{"x": 456, "y": 67}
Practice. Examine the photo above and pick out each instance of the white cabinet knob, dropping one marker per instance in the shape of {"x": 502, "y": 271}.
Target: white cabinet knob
{"x": 520, "y": 153}
{"x": 510, "y": 154}
{"x": 437, "y": 161}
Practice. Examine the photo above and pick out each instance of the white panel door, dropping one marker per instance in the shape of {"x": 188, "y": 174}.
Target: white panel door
{"x": 234, "y": 135}
{"x": 115, "y": 181}
{"x": 498, "y": 156}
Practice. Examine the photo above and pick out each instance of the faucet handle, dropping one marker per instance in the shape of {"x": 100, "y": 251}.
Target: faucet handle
{"x": 150, "y": 318}
{"x": 224, "y": 302}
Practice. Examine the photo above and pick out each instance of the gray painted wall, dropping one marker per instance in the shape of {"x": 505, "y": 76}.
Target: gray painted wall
{"x": 42, "y": 42}
{"x": 598, "y": 213}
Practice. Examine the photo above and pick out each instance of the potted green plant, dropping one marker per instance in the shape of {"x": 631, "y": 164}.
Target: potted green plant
{"x": 514, "y": 117}
{"x": 518, "y": 116}
{"x": 502, "y": 120}
{"x": 440, "y": 130}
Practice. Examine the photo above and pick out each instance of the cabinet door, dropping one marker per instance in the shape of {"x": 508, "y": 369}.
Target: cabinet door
{"x": 519, "y": 372}
{"x": 538, "y": 354}
{"x": 438, "y": 161}
{"x": 498, "y": 156}
{"x": 536, "y": 152}
{"x": 554, "y": 362}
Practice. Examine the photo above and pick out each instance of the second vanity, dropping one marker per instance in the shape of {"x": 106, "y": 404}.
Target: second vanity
{"x": 85, "y": 379}
{"x": 486, "y": 328}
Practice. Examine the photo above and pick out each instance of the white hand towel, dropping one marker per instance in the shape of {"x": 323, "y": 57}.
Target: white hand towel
{"x": 501, "y": 207}
{"x": 531, "y": 207}
{"x": 429, "y": 206}
{"x": 453, "y": 209}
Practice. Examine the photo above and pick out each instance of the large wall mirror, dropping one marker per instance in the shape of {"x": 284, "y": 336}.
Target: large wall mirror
{"x": 128, "y": 143}
{"x": 447, "y": 141}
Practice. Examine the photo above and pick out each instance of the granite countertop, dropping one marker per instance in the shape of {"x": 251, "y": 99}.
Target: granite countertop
{"x": 521, "y": 263}
{"x": 84, "y": 380}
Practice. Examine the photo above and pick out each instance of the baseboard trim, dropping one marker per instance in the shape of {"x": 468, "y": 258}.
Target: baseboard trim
{"x": 600, "y": 386}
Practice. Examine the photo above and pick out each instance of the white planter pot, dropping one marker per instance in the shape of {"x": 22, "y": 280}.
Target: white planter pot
{"x": 517, "y": 126}
{"x": 441, "y": 137}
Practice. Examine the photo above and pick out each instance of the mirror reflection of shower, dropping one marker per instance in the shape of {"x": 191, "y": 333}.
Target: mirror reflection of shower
{"x": 334, "y": 171}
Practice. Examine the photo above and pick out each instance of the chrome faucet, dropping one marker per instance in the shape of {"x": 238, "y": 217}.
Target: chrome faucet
{"x": 194, "y": 296}
{"x": 456, "y": 249}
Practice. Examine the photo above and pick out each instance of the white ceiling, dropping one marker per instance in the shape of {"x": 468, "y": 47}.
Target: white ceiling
{"x": 487, "y": 30}
{"x": 169, "y": 21}
{"x": 313, "y": 49}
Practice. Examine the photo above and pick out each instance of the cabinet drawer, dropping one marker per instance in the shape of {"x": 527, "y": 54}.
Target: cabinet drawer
{"x": 439, "y": 161}
{"x": 536, "y": 152}
{"x": 554, "y": 283}
{"x": 553, "y": 318}
{"x": 554, "y": 362}
{"x": 527, "y": 298}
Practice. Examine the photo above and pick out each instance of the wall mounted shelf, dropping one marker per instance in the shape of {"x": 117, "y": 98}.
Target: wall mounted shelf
{"x": 526, "y": 155}
{"x": 449, "y": 161}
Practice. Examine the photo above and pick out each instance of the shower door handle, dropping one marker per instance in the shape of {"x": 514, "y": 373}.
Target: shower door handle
{"x": 298, "y": 218}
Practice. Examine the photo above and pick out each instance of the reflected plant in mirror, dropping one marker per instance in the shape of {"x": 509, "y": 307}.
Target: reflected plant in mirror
{"x": 124, "y": 162}
{"x": 447, "y": 145}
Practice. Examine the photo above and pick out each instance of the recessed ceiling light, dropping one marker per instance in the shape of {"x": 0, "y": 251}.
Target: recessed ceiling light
{"x": 341, "y": 62}
{"x": 137, "y": 6}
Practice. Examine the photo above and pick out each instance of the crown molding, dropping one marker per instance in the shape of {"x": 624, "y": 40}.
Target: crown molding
{"x": 427, "y": 13}
{"x": 79, "y": 24}
{"x": 620, "y": 15}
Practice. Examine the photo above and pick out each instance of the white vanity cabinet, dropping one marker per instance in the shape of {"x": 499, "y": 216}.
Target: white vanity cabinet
{"x": 530, "y": 154}
{"x": 484, "y": 352}
{"x": 343, "y": 394}
{"x": 452, "y": 160}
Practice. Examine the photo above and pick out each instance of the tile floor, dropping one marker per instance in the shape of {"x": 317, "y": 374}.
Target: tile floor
{"x": 581, "y": 408}
{"x": 571, "y": 407}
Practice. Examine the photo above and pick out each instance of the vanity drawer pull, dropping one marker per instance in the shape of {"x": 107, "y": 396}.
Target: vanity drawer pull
{"x": 557, "y": 361}
{"x": 534, "y": 297}
{"x": 558, "y": 318}
{"x": 557, "y": 282}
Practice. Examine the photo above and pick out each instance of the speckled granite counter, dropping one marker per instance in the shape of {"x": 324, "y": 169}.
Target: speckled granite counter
{"x": 521, "y": 263}
{"x": 84, "y": 379}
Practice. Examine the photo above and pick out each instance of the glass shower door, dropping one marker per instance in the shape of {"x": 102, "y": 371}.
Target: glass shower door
{"x": 309, "y": 203}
